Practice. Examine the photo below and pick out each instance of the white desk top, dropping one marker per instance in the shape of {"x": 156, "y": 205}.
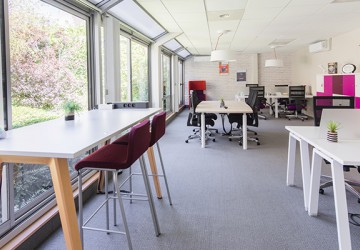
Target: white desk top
{"x": 68, "y": 139}
{"x": 346, "y": 152}
{"x": 306, "y": 133}
{"x": 214, "y": 107}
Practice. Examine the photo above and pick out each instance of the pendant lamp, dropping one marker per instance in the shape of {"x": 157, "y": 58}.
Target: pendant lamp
{"x": 274, "y": 62}
{"x": 222, "y": 55}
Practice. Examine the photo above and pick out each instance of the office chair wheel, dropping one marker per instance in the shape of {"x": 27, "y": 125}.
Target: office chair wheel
{"x": 255, "y": 133}
{"x": 187, "y": 141}
{"x": 321, "y": 191}
{"x": 213, "y": 140}
{"x": 258, "y": 143}
{"x": 230, "y": 139}
{"x": 240, "y": 143}
{"x": 358, "y": 200}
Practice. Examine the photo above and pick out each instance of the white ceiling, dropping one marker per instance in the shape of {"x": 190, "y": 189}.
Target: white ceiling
{"x": 253, "y": 24}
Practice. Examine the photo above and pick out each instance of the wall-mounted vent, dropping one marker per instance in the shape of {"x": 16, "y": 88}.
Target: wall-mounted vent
{"x": 320, "y": 46}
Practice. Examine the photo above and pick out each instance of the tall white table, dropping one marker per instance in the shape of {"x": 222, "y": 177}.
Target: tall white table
{"x": 304, "y": 135}
{"x": 53, "y": 142}
{"x": 344, "y": 152}
{"x": 238, "y": 107}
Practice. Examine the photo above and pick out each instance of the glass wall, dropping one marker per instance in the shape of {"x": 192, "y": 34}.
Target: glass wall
{"x": 134, "y": 69}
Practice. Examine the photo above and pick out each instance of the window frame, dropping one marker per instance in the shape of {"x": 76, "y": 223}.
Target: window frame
{"x": 19, "y": 220}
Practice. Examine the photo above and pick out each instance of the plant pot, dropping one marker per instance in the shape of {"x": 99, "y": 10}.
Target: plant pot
{"x": 69, "y": 116}
{"x": 332, "y": 136}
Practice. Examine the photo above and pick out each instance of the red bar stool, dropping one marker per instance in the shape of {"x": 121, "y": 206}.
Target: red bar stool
{"x": 158, "y": 126}
{"x": 115, "y": 157}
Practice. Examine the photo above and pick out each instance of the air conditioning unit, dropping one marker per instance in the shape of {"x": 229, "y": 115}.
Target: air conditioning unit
{"x": 320, "y": 46}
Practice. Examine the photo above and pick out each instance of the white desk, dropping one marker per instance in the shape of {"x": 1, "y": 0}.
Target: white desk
{"x": 344, "y": 152}
{"x": 237, "y": 107}
{"x": 274, "y": 98}
{"x": 53, "y": 142}
{"x": 304, "y": 135}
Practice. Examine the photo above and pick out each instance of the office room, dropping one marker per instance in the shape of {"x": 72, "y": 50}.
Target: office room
{"x": 180, "y": 124}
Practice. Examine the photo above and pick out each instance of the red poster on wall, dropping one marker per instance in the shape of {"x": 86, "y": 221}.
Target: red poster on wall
{"x": 223, "y": 68}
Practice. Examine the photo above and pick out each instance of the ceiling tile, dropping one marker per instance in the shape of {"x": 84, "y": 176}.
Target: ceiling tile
{"x": 216, "y": 5}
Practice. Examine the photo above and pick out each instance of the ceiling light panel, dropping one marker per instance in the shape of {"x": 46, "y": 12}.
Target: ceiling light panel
{"x": 261, "y": 13}
{"x": 129, "y": 12}
{"x": 216, "y": 5}
{"x": 308, "y": 2}
{"x": 254, "y": 4}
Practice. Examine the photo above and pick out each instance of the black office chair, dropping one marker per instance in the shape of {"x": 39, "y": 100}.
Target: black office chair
{"x": 261, "y": 102}
{"x": 335, "y": 102}
{"x": 194, "y": 119}
{"x": 252, "y": 118}
{"x": 297, "y": 102}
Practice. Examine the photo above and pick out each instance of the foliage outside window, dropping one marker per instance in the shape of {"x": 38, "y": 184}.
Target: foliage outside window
{"x": 48, "y": 53}
{"x": 134, "y": 70}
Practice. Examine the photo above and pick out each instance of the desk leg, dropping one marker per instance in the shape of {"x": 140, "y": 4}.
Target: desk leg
{"x": 276, "y": 108}
{"x": 203, "y": 130}
{"x": 151, "y": 156}
{"x": 64, "y": 197}
{"x": 290, "y": 176}
{"x": 314, "y": 183}
{"x": 341, "y": 210}
{"x": 270, "y": 107}
{"x": 244, "y": 128}
{"x": 305, "y": 167}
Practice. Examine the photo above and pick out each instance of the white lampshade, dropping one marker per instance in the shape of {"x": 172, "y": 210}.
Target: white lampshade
{"x": 274, "y": 63}
{"x": 222, "y": 56}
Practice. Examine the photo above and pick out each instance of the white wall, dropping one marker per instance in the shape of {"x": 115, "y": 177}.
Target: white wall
{"x": 225, "y": 86}
{"x": 344, "y": 49}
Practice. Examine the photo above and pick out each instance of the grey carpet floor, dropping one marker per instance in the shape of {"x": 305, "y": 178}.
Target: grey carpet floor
{"x": 225, "y": 198}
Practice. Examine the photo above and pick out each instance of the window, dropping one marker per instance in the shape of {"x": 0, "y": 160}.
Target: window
{"x": 48, "y": 61}
{"x": 125, "y": 68}
{"x": 134, "y": 67}
{"x": 48, "y": 48}
{"x": 139, "y": 69}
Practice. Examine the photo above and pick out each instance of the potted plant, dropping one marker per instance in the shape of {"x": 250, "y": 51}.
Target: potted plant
{"x": 222, "y": 103}
{"x": 70, "y": 107}
{"x": 332, "y": 131}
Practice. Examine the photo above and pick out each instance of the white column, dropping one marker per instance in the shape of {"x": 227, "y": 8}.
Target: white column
{"x": 112, "y": 59}
{"x": 175, "y": 82}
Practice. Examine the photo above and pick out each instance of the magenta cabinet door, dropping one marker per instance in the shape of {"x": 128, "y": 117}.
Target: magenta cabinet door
{"x": 328, "y": 85}
{"x": 357, "y": 102}
{"x": 348, "y": 85}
